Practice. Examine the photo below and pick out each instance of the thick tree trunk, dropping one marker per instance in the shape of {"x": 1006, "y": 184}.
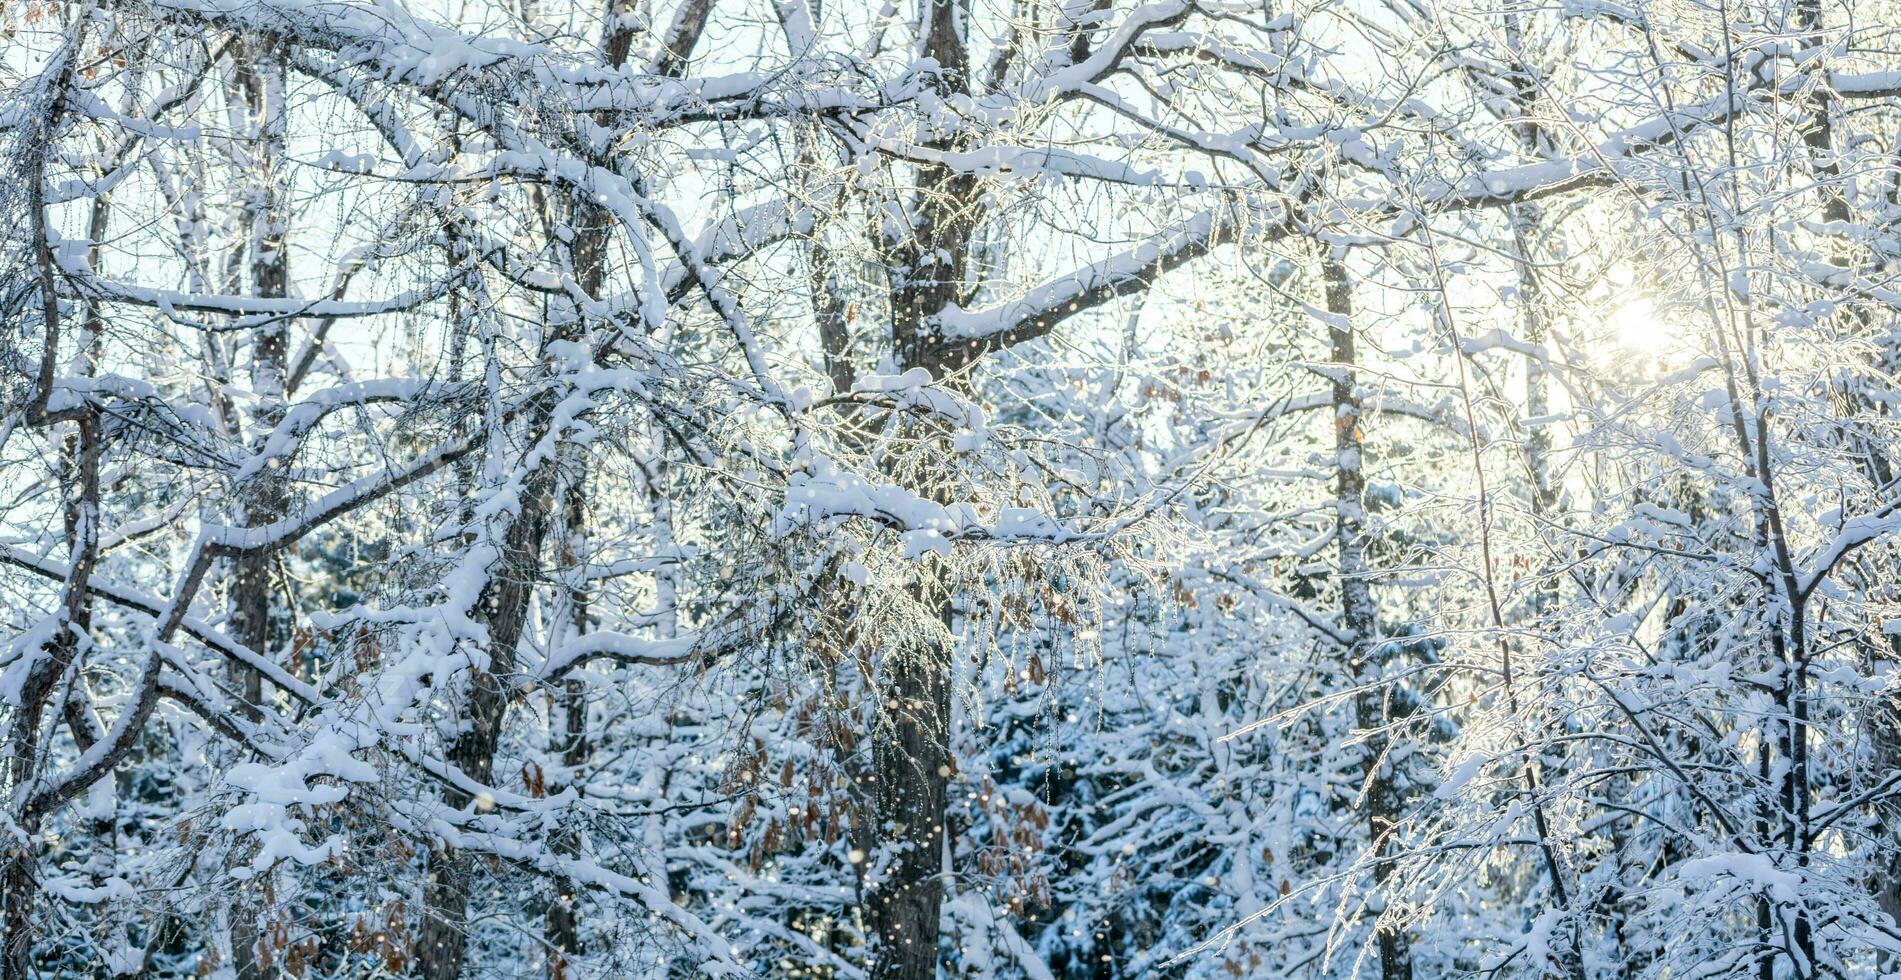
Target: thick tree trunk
{"x": 19, "y": 889}
{"x": 912, "y": 766}
{"x": 911, "y": 763}
{"x": 441, "y": 941}
{"x": 440, "y": 948}
{"x": 911, "y": 756}
{"x": 261, "y": 78}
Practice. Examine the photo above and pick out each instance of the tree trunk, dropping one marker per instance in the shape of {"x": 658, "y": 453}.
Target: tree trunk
{"x": 261, "y": 78}
{"x": 911, "y": 763}
{"x": 19, "y": 881}
{"x": 911, "y": 758}
{"x": 1359, "y": 616}
{"x": 441, "y": 940}
{"x": 20, "y": 890}
{"x": 19, "y": 878}
{"x": 559, "y": 927}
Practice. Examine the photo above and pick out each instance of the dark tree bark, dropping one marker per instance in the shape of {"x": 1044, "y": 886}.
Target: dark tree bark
{"x": 1359, "y": 615}
{"x": 19, "y": 885}
{"x": 911, "y": 754}
{"x": 19, "y": 876}
{"x": 441, "y": 942}
{"x": 261, "y": 79}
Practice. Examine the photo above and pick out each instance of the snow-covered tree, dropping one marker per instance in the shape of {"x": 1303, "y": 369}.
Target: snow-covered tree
{"x": 954, "y": 487}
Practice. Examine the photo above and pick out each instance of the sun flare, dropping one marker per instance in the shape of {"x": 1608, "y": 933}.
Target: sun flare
{"x": 1636, "y": 326}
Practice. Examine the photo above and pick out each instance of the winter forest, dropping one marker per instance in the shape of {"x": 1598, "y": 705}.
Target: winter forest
{"x": 910, "y": 489}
